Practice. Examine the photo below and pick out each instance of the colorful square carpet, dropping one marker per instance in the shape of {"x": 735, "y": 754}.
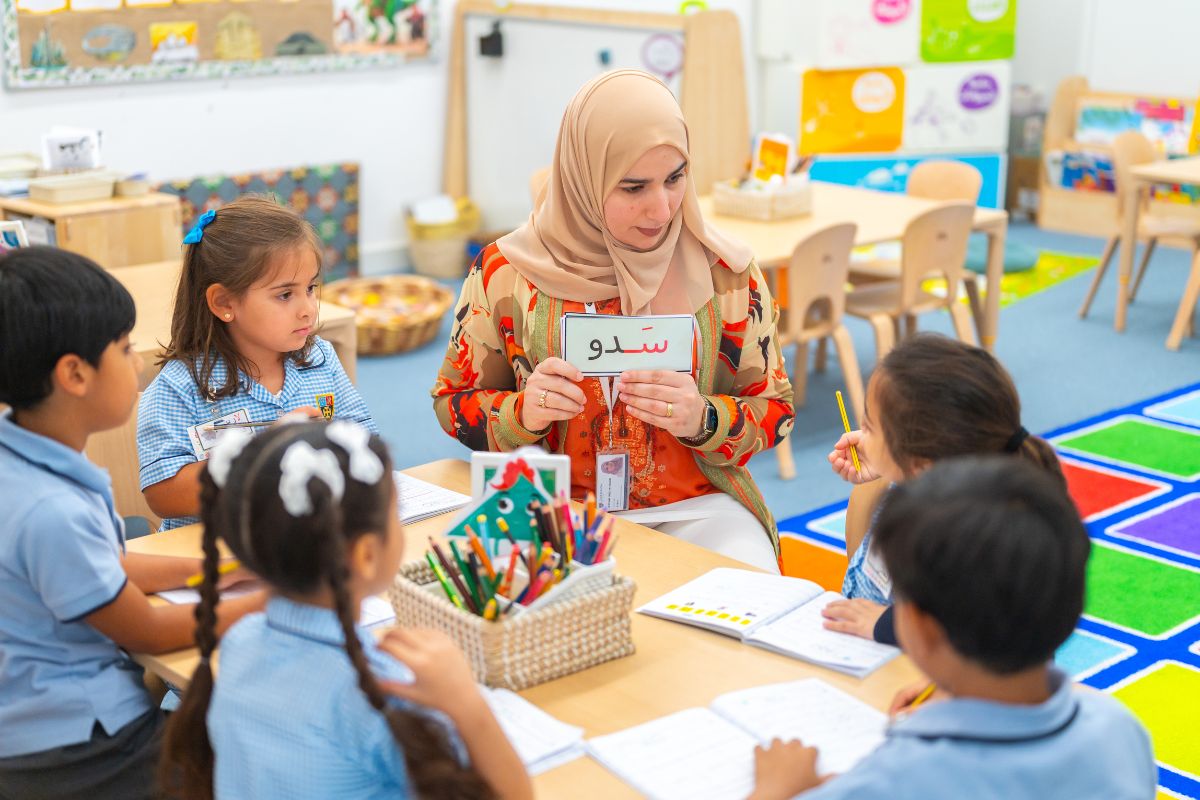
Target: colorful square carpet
{"x": 325, "y": 195}
{"x": 1134, "y": 473}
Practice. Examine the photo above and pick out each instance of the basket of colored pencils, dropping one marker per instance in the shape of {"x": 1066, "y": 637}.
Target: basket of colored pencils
{"x": 525, "y": 612}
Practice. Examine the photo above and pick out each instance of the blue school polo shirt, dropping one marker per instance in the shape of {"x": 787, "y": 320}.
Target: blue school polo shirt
{"x": 60, "y": 547}
{"x": 172, "y": 411}
{"x": 1078, "y": 744}
{"x": 288, "y": 719}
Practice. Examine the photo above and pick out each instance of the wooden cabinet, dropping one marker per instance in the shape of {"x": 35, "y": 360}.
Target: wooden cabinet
{"x": 118, "y": 232}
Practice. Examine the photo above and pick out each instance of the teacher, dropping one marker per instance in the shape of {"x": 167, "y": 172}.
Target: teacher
{"x": 617, "y": 230}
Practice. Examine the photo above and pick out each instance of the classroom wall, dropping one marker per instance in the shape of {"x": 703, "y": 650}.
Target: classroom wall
{"x": 391, "y": 121}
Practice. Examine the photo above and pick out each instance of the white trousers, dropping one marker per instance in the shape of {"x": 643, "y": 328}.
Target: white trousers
{"x": 716, "y": 522}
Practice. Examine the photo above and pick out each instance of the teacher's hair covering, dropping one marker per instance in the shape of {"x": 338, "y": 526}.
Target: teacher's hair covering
{"x": 565, "y": 249}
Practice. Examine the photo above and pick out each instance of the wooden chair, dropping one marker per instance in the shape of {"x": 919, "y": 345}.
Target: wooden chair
{"x": 1185, "y": 317}
{"x": 816, "y": 302}
{"x": 536, "y": 181}
{"x": 1131, "y": 149}
{"x": 116, "y": 451}
{"x": 934, "y": 245}
{"x": 934, "y": 180}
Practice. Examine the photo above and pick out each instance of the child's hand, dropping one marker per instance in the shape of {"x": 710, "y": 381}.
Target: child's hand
{"x": 441, "y": 677}
{"x": 905, "y": 697}
{"x": 784, "y": 770}
{"x": 857, "y": 617}
{"x": 843, "y": 463}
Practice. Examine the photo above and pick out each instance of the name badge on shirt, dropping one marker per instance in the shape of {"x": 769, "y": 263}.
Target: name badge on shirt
{"x": 876, "y": 572}
{"x": 203, "y": 436}
{"x": 612, "y": 479}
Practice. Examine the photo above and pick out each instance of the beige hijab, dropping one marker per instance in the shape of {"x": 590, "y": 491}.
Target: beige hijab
{"x": 565, "y": 248}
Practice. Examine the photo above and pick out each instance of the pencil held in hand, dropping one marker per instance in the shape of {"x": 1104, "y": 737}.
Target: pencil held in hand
{"x": 846, "y": 424}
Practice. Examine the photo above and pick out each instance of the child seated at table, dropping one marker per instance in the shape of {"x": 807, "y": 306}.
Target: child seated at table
{"x": 987, "y": 557}
{"x": 302, "y": 707}
{"x": 931, "y": 398}
{"x": 75, "y": 717}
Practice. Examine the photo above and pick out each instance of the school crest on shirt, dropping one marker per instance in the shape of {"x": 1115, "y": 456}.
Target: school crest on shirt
{"x": 325, "y": 404}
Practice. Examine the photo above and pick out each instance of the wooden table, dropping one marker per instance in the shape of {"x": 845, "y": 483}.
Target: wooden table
{"x": 116, "y": 232}
{"x": 675, "y": 666}
{"x": 153, "y": 289}
{"x": 880, "y": 217}
{"x": 1183, "y": 170}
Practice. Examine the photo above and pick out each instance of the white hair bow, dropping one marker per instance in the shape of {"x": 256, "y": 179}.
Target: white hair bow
{"x": 300, "y": 464}
{"x": 365, "y": 466}
{"x": 232, "y": 443}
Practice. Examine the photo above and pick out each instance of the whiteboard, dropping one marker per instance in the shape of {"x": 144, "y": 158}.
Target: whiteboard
{"x": 1145, "y": 47}
{"x": 515, "y": 103}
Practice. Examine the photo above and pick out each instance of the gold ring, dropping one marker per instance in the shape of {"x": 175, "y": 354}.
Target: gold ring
{"x": 542, "y": 398}
{"x": 670, "y": 410}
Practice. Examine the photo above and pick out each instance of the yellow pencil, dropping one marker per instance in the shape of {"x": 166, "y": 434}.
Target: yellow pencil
{"x": 923, "y": 696}
{"x": 846, "y": 422}
{"x": 224, "y": 569}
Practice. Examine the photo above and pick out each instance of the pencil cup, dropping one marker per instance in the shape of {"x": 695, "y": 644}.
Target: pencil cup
{"x": 588, "y": 624}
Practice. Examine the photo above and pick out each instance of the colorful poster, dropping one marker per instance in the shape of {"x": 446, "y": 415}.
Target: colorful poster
{"x": 851, "y": 110}
{"x": 890, "y": 174}
{"x": 959, "y": 107}
{"x": 968, "y": 30}
{"x": 866, "y": 33}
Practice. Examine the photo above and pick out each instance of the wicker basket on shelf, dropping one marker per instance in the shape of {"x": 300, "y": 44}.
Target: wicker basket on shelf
{"x": 396, "y": 313}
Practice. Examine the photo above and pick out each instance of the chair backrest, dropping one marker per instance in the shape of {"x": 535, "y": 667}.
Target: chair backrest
{"x": 536, "y": 181}
{"x": 945, "y": 180}
{"x": 935, "y": 246}
{"x": 1130, "y": 149}
{"x": 116, "y": 451}
{"x": 816, "y": 280}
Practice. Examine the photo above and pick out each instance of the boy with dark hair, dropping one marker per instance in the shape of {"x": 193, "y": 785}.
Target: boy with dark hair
{"x": 75, "y": 718}
{"x": 988, "y": 559}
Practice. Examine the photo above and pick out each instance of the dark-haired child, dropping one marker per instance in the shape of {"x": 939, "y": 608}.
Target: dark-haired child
{"x": 1014, "y": 728}
{"x": 302, "y": 706}
{"x": 75, "y": 718}
{"x": 931, "y": 398}
{"x": 242, "y": 348}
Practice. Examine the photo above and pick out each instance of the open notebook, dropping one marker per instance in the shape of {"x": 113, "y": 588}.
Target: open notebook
{"x": 420, "y": 499}
{"x": 709, "y": 752}
{"x": 541, "y": 741}
{"x": 771, "y": 611}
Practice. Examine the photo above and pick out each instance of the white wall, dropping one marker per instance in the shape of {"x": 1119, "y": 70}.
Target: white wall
{"x": 391, "y": 121}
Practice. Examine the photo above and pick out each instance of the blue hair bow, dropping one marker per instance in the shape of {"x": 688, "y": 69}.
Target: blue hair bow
{"x": 197, "y": 232}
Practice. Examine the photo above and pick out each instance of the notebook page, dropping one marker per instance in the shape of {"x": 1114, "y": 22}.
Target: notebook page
{"x": 732, "y": 600}
{"x": 802, "y": 633}
{"x": 686, "y": 755}
{"x": 420, "y": 499}
{"x": 842, "y": 728}
{"x": 538, "y": 738}
{"x": 375, "y": 610}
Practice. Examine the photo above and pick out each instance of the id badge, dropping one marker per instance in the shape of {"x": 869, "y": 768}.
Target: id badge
{"x": 876, "y": 572}
{"x": 612, "y": 479}
{"x": 204, "y": 438}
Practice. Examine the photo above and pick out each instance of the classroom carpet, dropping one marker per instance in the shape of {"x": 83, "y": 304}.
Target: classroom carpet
{"x": 1134, "y": 473}
{"x": 1050, "y": 269}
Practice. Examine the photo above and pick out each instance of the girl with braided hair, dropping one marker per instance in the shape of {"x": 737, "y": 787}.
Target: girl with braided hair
{"x": 308, "y": 704}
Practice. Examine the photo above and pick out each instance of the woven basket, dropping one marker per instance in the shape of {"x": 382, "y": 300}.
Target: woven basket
{"x": 440, "y": 250}
{"x": 394, "y": 314}
{"x": 529, "y": 648}
{"x": 792, "y": 200}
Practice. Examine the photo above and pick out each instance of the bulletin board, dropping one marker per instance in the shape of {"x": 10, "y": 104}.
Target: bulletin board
{"x": 968, "y": 30}
{"x": 50, "y": 43}
{"x": 956, "y": 107}
{"x": 851, "y": 110}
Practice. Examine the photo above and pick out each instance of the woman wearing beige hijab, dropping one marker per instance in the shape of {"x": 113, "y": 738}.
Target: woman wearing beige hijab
{"x": 617, "y": 230}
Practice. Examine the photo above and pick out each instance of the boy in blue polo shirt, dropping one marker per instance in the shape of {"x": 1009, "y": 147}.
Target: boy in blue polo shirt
{"x": 987, "y": 558}
{"x": 75, "y": 718}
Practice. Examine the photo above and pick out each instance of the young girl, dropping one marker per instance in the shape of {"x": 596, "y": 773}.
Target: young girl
{"x": 242, "y": 348}
{"x": 300, "y": 709}
{"x": 931, "y": 398}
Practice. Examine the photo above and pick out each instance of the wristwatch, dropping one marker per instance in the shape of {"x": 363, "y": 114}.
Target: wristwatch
{"x": 710, "y": 425}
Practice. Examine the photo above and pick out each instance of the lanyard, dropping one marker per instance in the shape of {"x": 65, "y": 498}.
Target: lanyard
{"x": 606, "y": 387}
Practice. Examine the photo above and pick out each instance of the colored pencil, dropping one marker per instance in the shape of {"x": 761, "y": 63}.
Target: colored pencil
{"x": 443, "y": 580}
{"x": 453, "y": 575}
